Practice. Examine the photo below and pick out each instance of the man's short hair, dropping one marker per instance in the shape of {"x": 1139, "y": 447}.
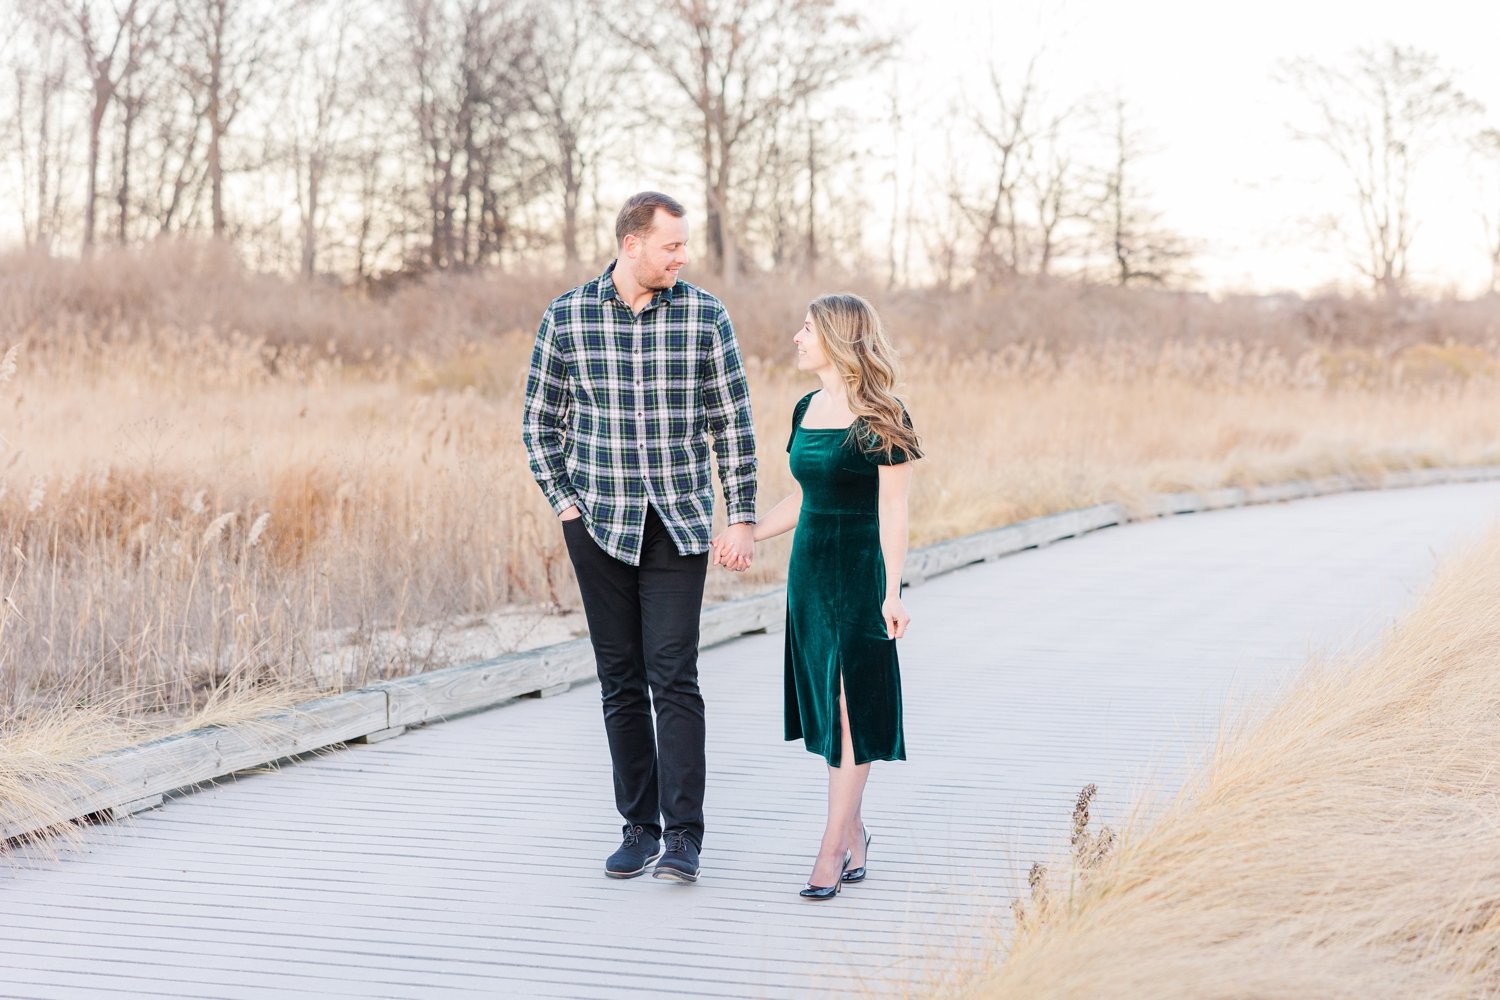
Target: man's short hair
{"x": 638, "y": 217}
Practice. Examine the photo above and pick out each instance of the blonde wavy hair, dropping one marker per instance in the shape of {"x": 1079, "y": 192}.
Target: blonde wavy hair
{"x": 856, "y": 342}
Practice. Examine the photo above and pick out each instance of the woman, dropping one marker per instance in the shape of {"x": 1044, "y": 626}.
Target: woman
{"x": 850, "y": 447}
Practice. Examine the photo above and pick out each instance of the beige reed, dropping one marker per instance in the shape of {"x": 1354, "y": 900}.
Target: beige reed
{"x": 1341, "y": 845}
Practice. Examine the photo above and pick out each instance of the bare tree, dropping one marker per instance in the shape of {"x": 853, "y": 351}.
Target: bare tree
{"x": 739, "y": 65}
{"x": 179, "y": 167}
{"x": 1486, "y": 150}
{"x": 1006, "y": 128}
{"x": 466, "y": 66}
{"x": 813, "y": 134}
{"x": 897, "y": 119}
{"x": 781, "y": 187}
{"x": 318, "y": 116}
{"x": 1140, "y": 249}
{"x": 943, "y": 237}
{"x": 380, "y": 189}
{"x": 228, "y": 43}
{"x": 576, "y": 104}
{"x": 100, "y": 30}
{"x": 768, "y": 196}
{"x": 41, "y": 131}
{"x": 801, "y": 192}
{"x": 1054, "y": 188}
{"x": 1379, "y": 118}
{"x": 1017, "y": 200}
{"x": 144, "y": 34}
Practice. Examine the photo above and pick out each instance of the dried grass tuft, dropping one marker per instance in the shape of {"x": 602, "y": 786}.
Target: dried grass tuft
{"x": 1343, "y": 845}
{"x": 44, "y": 762}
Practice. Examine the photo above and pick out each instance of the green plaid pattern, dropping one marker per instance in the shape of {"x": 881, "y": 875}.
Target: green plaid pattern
{"x": 619, "y": 411}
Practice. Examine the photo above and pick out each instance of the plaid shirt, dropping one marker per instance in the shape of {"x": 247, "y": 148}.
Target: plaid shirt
{"x": 619, "y": 409}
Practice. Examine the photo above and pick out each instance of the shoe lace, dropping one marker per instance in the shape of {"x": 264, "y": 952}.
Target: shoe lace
{"x": 633, "y": 836}
{"x": 676, "y": 843}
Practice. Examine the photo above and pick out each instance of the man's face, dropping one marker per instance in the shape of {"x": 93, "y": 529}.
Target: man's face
{"x": 657, "y": 256}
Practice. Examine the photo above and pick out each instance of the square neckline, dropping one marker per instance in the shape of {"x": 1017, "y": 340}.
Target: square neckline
{"x": 803, "y": 427}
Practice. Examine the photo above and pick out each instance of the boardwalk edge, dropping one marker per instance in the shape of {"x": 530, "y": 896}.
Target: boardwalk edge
{"x": 121, "y": 782}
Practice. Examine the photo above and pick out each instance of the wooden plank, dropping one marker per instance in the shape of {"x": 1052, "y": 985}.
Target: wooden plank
{"x": 1167, "y": 504}
{"x": 1072, "y": 523}
{"x": 380, "y": 736}
{"x": 119, "y": 812}
{"x": 1277, "y": 492}
{"x": 455, "y": 690}
{"x": 1412, "y": 477}
{"x": 1224, "y": 498}
{"x": 190, "y": 758}
{"x": 945, "y": 557}
{"x": 731, "y": 619}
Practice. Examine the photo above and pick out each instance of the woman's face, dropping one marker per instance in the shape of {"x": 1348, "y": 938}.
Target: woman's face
{"x": 810, "y": 354}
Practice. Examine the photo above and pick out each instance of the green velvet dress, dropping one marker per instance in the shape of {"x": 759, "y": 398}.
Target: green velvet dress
{"x": 834, "y": 592}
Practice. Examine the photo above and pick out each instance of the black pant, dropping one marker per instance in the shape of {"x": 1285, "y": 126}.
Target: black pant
{"x": 644, "y": 625}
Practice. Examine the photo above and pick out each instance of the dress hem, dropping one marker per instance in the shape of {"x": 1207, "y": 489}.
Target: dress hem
{"x": 829, "y": 758}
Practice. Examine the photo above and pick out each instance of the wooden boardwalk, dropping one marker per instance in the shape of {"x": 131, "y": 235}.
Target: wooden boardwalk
{"x": 463, "y": 858}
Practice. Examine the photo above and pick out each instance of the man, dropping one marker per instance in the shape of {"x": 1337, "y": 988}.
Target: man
{"x": 631, "y": 373}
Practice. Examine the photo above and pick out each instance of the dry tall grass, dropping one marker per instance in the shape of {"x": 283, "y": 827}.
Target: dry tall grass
{"x": 210, "y": 480}
{"x": 1344, "y": 845}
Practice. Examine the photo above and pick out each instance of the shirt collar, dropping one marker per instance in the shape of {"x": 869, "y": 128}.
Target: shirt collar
{"x": 607, "y": 290}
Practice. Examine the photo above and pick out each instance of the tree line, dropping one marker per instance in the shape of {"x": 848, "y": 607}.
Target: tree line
{"x": 361, "y": 138}
{"x": 417, "y": 135}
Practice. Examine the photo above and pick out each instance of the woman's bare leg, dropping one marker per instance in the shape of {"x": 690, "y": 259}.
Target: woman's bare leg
{"x": 846, "y": 790}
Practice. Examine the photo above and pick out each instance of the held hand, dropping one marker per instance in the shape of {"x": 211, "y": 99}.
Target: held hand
{"x": 570, "y": 514}
{"x": 735, "y": 548}
{"x": 896, "y": 618}
{"x": 723, "y": 554}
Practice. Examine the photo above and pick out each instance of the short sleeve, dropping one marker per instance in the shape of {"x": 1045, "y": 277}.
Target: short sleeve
{"x": 797, "y": 413}
{"x": 876, "y": 454}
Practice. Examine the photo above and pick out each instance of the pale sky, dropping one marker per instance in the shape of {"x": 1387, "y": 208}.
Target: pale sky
{"x": 1200, "y": 78}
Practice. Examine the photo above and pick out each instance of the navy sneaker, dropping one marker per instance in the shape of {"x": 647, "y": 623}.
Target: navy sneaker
{"x": 680, "y": 860}
{"x": 637, "y": 850}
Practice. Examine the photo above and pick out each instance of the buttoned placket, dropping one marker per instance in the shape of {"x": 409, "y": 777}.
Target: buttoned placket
{"x": 638, "y": 366}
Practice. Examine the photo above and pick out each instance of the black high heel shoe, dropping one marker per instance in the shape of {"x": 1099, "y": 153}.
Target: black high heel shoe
{"x": 810, "y": 891}
{"x": 857, "y": 874}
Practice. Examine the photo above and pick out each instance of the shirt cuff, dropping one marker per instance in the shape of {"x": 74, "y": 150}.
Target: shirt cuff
{"x": 561, "y": 501}
{"x": 741, "y": 514}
